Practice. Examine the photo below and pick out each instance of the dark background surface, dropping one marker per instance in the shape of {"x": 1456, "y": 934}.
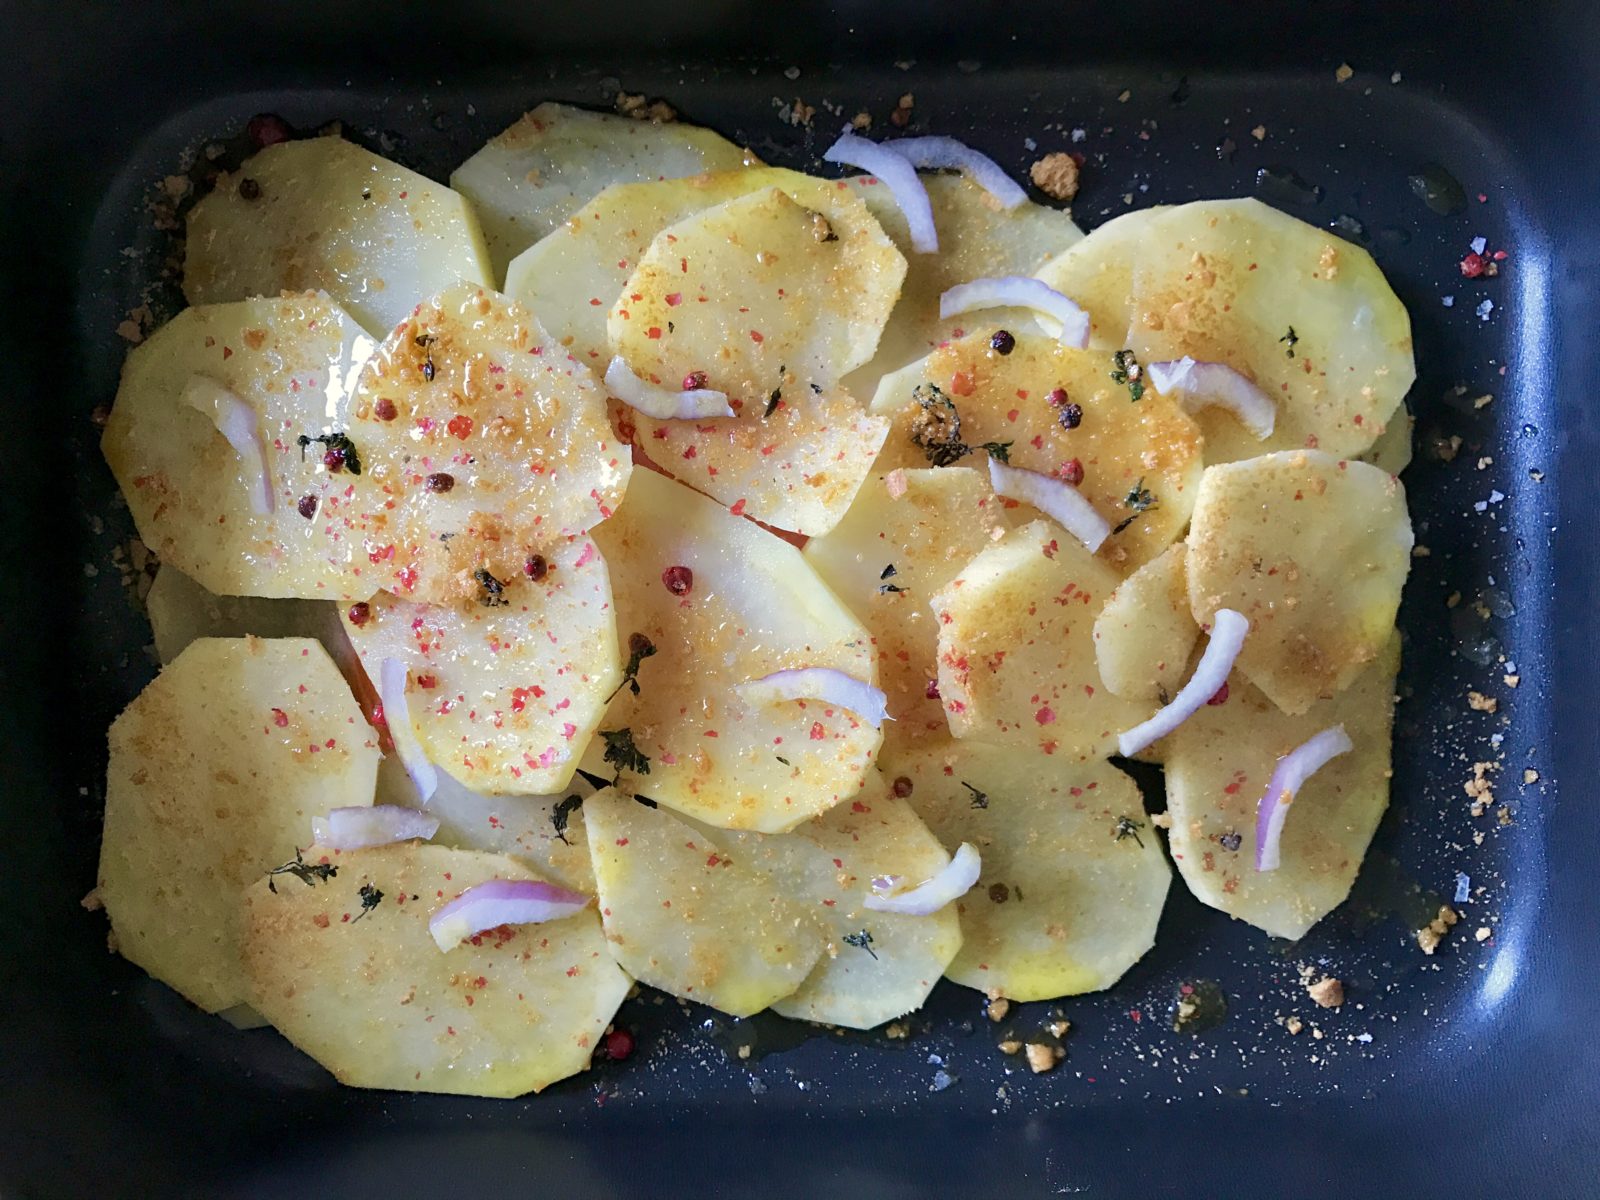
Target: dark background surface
{"x": 1480, "y": 1074}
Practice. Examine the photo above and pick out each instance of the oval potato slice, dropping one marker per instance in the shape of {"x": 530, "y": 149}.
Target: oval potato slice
{"x": 1314, "y": 551}
{"x": 326, "y": 214}
{"x": 1143, "y": 635}
{"x": 375, "y": 1000}
{"x": 216, "y": 770}
{"x": 1392, "y": 451}
{"x": 181, "y": 611}
{"x": 1097, "y": 273}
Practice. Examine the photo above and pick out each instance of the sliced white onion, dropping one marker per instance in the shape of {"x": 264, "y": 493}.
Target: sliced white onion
{"x": 237, "y": 422}
{"x": 1019, "y": 291}
{"x": 1202, "y": 384}
{"x": 664, "y": 404}
{"x": 397, "y": 713}
{"x": 1288, "y": 777}
{"x": 929, "y": 896}
{"x": 1210, "y": 673}
{"x": 901, "y": 179}
{"x": 364, "y": 825}
{"x": 499, "y": 902}
{"x": 819, "y": 683}
{"x": 1054, "y": 497}
{"x": 947, "y": 152}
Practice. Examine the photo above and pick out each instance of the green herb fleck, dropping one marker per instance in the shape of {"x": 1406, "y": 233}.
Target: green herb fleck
{"x": 623, "y": 754}
{"x": 888, "y": 572}
{"x": 861, "y": 941}
{"x": 639, "y": 649}
{"x": 1127, "y": 827}
{"x": 493, "y": 589}
{"x": 1290, "y": 340}
{"x": 370, "y": 896}
{"x": 309, "y": 874}
{"x": 979, "y": 799}
{"x": 1000, "y": 450}
{"x": 1129, "y": 373}
{"x": 1140, "y": 499}
{"x": 782, "y": 759}
{"x": 562, "y": 813}
{"x": 936, "y": 427}
{"x": 336, "y": 441}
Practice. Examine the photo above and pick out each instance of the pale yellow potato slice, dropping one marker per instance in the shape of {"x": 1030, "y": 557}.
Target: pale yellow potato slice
{"x": 506, "y": 697}
{"x": 216, "y": 770}
{"x": 293, "y": 362}
{"x": 1314, "y": 551}
{"x": 1016, "y": 648}
{"x": 927, "y": 525}
{"x": 1073, "y": 879}
{"x": 547, "y": 164}
{"x": 1097, "y": 273}
{"x": 1226, "y": 281}
{"x": 753, "y": 607}
{"x": 369, "y": 995}
{"x": 1218, "y": 763}
{"x": 1392, "y": 451}
{"x": 1143, "y": 635}
{"x": 323, "y": 213}
{"x": 181, "y": 611}
{"x": 687, "y": 914}
{"x": 1123, "y": 446}
{"x": 497, "y": 450}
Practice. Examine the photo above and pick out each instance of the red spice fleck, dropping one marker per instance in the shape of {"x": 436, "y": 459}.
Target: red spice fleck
{"x": 267, "y": 129}
{"x": 585, "y": 558}
{"x": 360, "y": 613}
{"x": 622, "y": 841}
{"x": 1071, "y": 472}
{"x": 857, "y": 807}
{"x": 333, "y": 459}
{"x": 962, "y": 383}
{"x": 691, "y": 452}
{"x": 407, "y": 577}
{"x": 817, "y": 732}
{"x": 678, "y": 580}
{"x": 280, "y": 718}
{"x": 902, "y": 786}
{"x": 674, "y": 299}
{"x": 1473, "y": 265}
{"x": 307, "y": 507}
{"x": 1221, "y": 694}
{"x": 653, "y": 332}
{"x": 1045, "y": 715}
{"x": 617, "y": 1045}
{"x": 755, "y": 336}
{"x": 931, "y": 692}
{"x": 460, "y": 426}
{"x": 738, "y": 507}
{"x": 321, "y": 921}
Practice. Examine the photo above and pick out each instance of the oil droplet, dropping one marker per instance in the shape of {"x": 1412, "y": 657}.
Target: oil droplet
{"x": 1283, "y": 186}
{"x": 1197, "y": 1006}
{"x": 1438, "y": 189}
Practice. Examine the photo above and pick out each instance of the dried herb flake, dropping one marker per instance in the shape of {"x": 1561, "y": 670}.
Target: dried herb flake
{"x": 1129, "y": 373}
{"x": 979, "y": 799}
{"x": 623, "y": 754}
{"x": 309, "y": 874}
{"x": 338, "y": 442}
{"x": 562, "y": 813}
{"x": 861, "y": 941}
{"x": 1127, "y": 827}
{"x": 370, "y": 897}
{"x": 639, "y": 649}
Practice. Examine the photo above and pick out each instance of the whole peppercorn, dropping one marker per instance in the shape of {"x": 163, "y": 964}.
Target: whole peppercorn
{"x": 307, "y": 507}
{"x": 360, "y": 613}
{"x": 1072, "y": 472}
{"x": 535, "y": 568}
{"x": 678, "y": 580}
{"x": 1070, "y": 416}
{"x": 384, "y": 409}
{"x": 249, "y": 189}
{"x": 1002, "y": 342}
{"x": 439, "y": 482}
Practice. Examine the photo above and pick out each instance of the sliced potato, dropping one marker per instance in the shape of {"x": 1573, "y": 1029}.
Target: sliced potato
{"x": 1097, "y": 273}
{"x": 1143, "y": 636}
{"x": 216, "y": 771}
{"x": 1305, "y": 314}
{"x": 1314, "y": 551}
{"x": 1218, "y": 763}
{"x": 369, "y": 995}
{"x": 1073, "y": 882}
{"x": 487, "y": 441}
{"x": 687, "y": 914}
{"x": 325, "y": 214}
{"x": 1016, "y": 648}
{"x": 505, "y": 698}
{"x": 181, "y": 611}
{"x": 749, "y": 606}
{"x": 551, "y": 161}
{"x": 293, "y": 362}
{"x": 1124, "y": 447}
{"x": 926, "y": 533}
{"x": 1392, "y": 451}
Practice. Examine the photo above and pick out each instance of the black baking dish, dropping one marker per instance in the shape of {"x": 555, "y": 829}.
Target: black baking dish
{"x": 1480, "y": 1065}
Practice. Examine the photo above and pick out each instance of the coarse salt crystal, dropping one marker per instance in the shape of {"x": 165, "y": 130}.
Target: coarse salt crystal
{"x": 1484, "y": 309}
{"x": 1449, "y": 301}
{"x": 1479, "y": 245}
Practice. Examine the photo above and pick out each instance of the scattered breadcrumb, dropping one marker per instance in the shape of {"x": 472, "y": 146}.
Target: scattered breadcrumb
{"x": 1483, "y": 933}
{"x": 861, "y": 121}
{"x": 1294, "y": 1025}
{"x": 744, "y": 1051}
{"x": 1483, "y": 401}
{"x": 1059, "y": 1028}
{"x": 1056, "y": 175}
{"x": 1479, "y": 787}
{"x": 1502, "y": 815}
{"x": 1421, "y": 552}
{"x": 92, "y": 901}
{"x": 1486, "y": 461}
{"x": 997, "y": 1009}
{"x": 1447, "y": 449}
{"x": 1316, "y": 1033}
{"x": 1259, "y": 133}
{"x": 1529, "y": 775}
{"x": 1511, "y": 681}
{"x": 640, "y": 109}
{"x": 1478, "y": 702}
{"x": 896, "y": 1031}
{"x": 1327, "y": 992}
{"x": 1430, "y": 937}
{"x": 1010, "y": 1046}
{"x": 1343, "y": 73}
{"x": 901, "y": 116}
{"x": 1124, "y": 96}
{"x": 1453, "y": 599}
{"x": 1042, "y": 1058}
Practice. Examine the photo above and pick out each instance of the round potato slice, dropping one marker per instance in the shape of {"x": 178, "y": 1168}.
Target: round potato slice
{"x": 196, "y": 499}
{"x": 505, "y": 694}
{"x": 724, "y": 602}
{"x": 551, "y": 161}
{"x": 488, "y": 442}
{"x": 362, "y": 987}
{"x": 687, "y": 914}
{"x": 181, "y": 611}
{"x": 1392, "y": 451}
{"x": 1314, "y": 551}
{"x": 323, "y": 213}
{"x": 216, "y": 771}
{"x": 1143, "y": 635}
{"x": 1140, "y": 460}
{"x": 1306, "y": 315}
{"x": 1218, "y": 763}
{"x": 1072, "y": 883}
{"x": 1097, "y": 273}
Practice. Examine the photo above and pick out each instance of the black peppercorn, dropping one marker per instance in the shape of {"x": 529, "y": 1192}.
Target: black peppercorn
{"x": 1071, "y": 416}
{"x": 1002, "y": 342}
{"x": 249, "y": 189}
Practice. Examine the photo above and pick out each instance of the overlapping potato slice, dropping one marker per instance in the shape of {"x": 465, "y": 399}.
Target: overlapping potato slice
{"x": 1016, "y": 652}
{"x": 977, "y": 240}
{"x": 488, "y": 443}
{"x": 1306, "y": 315}
{"x": 1072, "y": 883}
{"x": 1392, "y": 451}
{"x": 1143, "y": 635}
{"x": 1097, "y": 273}
{"x": 505, "y": 696}
{"x": 216, "y": 771}
{"x": 1314, "y": 551}
{"x": 724, "y": 602}
{"x": 1218, "y": 763}
{"x": 1141, "y": 460}
{"x": 926, "y": 525}
{"x": 181, "y": 611}
{"x": 323, "y": 213}
{"x": 367, "y": 993}
{"x": 687, "y": 914}
{"x": 551, "y": 161}
{"x": 194, "y": 498}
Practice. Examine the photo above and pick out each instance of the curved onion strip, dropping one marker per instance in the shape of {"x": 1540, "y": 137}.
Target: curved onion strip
{"x": 499, "y": 902}
{"x": 1210, "y": 673}
{"x": 1201, "y": 384}
{"x": 1053, "y": 497}
{"x": 947, "y": 152}
{"x": 951, "y": 883}
{"x": 819, "y": 683}
{"x": 237, "y": 422}
{"x": 364, "y": 825}
{"x": 1019, "y": 291}
{"x": 901, "y": 179}
{"x": 397, "y": 712}
{"x": 1288, "y": 777}
{"x": 662, "y": 403}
